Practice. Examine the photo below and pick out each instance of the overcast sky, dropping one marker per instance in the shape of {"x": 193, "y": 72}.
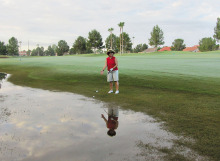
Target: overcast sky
{"x": 45, "y": 22}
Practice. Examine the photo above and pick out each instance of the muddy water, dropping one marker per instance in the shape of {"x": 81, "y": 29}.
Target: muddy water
{"x": 41, "y": 125}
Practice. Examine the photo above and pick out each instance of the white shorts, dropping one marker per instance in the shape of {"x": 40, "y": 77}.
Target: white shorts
{"x": 113, "y": 111}
{"x": 112, "y": 76}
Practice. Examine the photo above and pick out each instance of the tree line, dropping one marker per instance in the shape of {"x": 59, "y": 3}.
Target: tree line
{"x": 120, "y": 44}
{"x": 205, "y": 44}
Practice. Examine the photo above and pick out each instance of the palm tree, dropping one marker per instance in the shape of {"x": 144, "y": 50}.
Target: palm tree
{"x": 120, "y": 37}
{"x": 121, "y": 25}
{"x": 110, "y": 30}
{"x": 133, "y": 41}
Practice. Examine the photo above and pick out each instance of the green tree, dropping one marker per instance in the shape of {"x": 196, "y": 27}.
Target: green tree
{"x": 29, "y": 52}
{"x": 89, "y": 49}
{"x": 3, "y": 49}
{"x": 62, "y": 47}
{"x": 121, "y": 25}
{"x": 208, "y": 44}
{"x": 95, "y": 40}
{"x": 111, "y": 30}
{"x": 12, "y": 47}
{"x": 137, "y": 48}
{"x": 217, "y": 30}
{"x": 39, "y": 51}
{"x": 112, "y": 40}
{"x": 127, "y": 44}
{"x": 54, "y": 47}
{"x": 140, "y": 48}
{"x": 34, "y": 52}
{"x": 46, "y": 52}
{"x": 144, "y": 47}
{"x": 73, "y": 51}
{"x": 79, "y": 46}
{"x": 156, "y": 37}
{"x": 50, "y": 51}
{"x": 178, "y": 45}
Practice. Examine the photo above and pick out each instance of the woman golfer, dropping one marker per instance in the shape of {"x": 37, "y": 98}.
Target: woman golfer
{"x": 112, "y": 76}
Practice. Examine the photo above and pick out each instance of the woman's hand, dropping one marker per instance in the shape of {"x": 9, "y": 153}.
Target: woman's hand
{"x": 102, "y": 72}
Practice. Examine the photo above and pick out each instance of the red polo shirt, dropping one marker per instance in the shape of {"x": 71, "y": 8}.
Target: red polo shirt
{"x": 111, "y": 63}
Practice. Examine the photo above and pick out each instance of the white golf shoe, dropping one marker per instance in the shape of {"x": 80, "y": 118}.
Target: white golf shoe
{"x": 116, "y": 92}
{"x": 111, "y": 91}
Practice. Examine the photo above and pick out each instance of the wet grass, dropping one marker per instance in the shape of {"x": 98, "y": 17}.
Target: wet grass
{"x": 181, "y": 89}
{"x": 167, "y": 154}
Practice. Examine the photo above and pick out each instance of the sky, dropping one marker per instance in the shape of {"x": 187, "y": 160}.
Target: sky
{"x": 45, "y": 22}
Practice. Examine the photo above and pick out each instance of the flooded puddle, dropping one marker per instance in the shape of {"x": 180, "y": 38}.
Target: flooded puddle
{"x": 41, "y": 125}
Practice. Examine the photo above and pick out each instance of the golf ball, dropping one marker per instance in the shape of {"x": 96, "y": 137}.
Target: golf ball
{"x": 97, "y": 91}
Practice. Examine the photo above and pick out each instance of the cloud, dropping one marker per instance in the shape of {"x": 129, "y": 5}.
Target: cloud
{"x": 46, "y": 22}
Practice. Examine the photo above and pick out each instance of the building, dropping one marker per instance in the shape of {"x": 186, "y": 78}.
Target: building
{"x": 194, "y": 48}
{"x": 150, "y": 50}
{"x": 23, "y": 53}
{"x": 165, "y": 49}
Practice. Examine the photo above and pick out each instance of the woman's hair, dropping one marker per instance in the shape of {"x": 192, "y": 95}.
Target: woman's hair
{"x": 111, "y": 132}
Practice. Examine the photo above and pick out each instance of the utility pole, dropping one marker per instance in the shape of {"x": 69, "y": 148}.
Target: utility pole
{"x": 133, "y": 41}
{"x": 20, "y": 49}
{"x": 38, "y": 49}
{"x": 28, "y": 54}
{"x": 20, "y": 45}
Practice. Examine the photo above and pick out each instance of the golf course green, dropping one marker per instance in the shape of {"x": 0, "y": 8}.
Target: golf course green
{"x": 181, "y": 89}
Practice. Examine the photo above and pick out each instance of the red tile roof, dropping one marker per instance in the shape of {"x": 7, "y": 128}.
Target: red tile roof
{"x": 165, "y": 49}
{"x": 191, "y": 48}
{"x": 150, "y": 50}
{"x": 23, "y": 52}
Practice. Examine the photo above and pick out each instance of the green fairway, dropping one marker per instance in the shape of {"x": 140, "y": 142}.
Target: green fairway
{"x": 182, "y": 89}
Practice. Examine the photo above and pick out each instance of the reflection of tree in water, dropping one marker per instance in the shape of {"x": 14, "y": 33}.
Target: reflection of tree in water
{"x": 2, "y": 76}
{"x": 4, "y": 112}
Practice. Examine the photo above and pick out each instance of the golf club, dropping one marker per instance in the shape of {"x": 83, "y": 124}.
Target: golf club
{"x": 110, "y": 71}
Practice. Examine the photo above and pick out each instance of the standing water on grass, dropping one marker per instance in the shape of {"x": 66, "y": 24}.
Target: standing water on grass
{"x": 41, "y": 125}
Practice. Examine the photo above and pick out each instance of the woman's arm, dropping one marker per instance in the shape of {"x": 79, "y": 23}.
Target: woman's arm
{"x": 116, "y": 63}
{"x": 102, "y": 116}
{"x": 104, "y": 67}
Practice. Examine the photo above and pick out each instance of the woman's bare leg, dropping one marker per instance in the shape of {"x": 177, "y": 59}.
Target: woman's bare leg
{"x": 111, "y": 85}
{"x": 117, "y": 86}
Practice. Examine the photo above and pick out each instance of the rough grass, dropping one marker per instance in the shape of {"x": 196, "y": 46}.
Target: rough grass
{"x": 180, "y": 88}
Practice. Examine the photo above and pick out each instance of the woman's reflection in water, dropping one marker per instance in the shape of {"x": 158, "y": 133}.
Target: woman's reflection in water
{"x": 112, "y": 122}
